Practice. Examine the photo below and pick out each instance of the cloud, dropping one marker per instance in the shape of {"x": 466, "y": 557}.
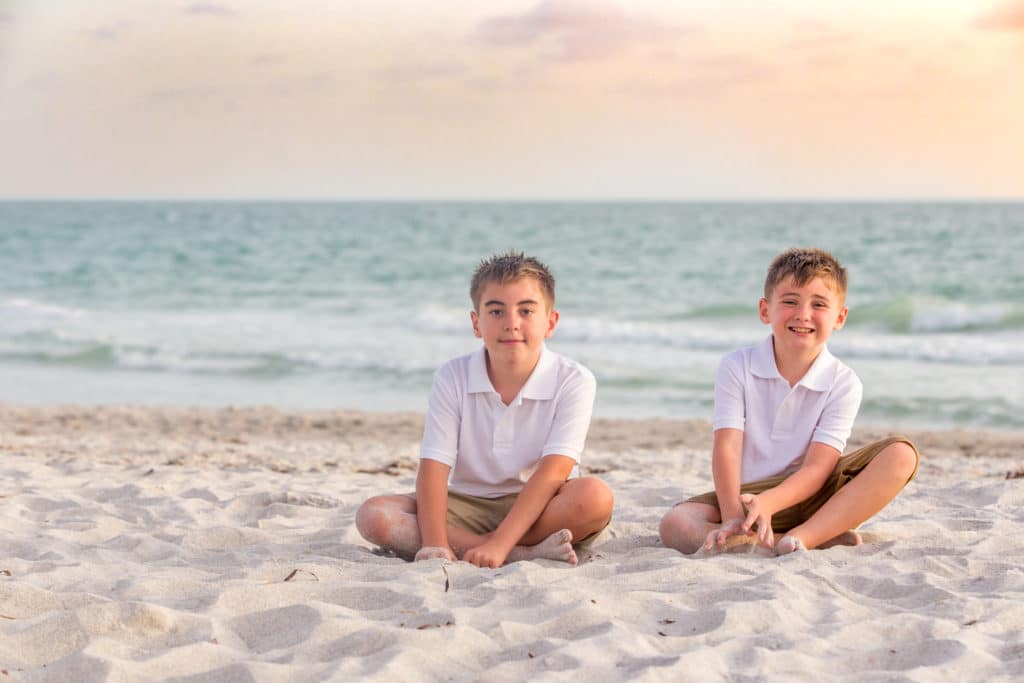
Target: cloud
{"x": 102, "y": 33}
{"x": 708, "y": 78}
{"x": 813, "y": 34}
{"x": 210, "y": 9}
{"x": 582, "y": 30}
{"x": 316, "y": 83}
{"x": 1007, "y": 17}
{"x": 425, "y": 71}
{"x": 268, "y": 59}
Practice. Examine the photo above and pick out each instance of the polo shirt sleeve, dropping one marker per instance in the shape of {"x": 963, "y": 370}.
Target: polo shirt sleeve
{"x": 730, "y": 406}
{"x": 441, "y": 427}
{"x": 574, "y": 405}
{"x": 836, "y": 421}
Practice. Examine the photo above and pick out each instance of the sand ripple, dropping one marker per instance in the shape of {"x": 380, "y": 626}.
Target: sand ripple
{"x": 152, "y": 545}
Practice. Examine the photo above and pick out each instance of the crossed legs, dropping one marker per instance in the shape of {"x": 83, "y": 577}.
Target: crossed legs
{"x": 581, "y": 507}
{"x": 686, "y": 526}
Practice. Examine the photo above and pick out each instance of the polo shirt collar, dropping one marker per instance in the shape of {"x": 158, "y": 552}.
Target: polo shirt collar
{"x": 762, "y": 360}
{"x": 479, "y": 382}
{"x": 817, "y": 378}
{"x": 543, "y": 380}
{"x": 822, "y": 371}
{"x": 540, "y": 386}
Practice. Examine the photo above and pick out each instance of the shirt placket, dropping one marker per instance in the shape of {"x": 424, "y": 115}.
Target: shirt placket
{"x": 503, "y": 429}
{"x": 785, "y": 416}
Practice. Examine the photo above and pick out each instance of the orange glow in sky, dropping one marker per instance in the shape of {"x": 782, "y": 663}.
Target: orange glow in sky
{"x": 507, "y": 99}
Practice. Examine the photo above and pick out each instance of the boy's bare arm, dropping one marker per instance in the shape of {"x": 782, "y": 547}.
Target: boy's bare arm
{"x": 726, "y": 463}
{"x": 726, "y": 460}
{"x": 432, "y": 503}
{"x": 540, "y": 488}
{"x": 819, "y": 462}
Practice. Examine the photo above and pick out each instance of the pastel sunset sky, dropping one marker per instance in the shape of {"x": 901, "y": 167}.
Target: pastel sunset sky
{"x": 506, "y": 99}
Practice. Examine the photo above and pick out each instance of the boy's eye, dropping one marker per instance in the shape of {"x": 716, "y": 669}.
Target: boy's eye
{"x": 526, "y": 312}
{"x": 495, "y": 312}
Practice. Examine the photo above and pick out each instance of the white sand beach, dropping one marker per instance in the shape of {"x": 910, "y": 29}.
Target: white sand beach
{"x": 146, "y": 544}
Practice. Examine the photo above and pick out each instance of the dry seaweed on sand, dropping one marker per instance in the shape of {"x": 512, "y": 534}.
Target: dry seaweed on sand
{"x": 392, "y": 469}
{"x": 295, "y": 572}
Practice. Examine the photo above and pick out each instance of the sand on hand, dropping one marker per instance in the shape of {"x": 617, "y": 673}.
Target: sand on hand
{"x": 218, "y": 545}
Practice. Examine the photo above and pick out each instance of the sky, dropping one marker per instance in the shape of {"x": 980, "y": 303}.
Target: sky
{"x": 510, "y": 99}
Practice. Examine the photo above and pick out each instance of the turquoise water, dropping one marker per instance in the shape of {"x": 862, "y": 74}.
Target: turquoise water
{"x": 349, "y": 305}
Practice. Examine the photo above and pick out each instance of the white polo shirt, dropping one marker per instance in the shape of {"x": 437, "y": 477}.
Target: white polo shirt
{"x": 493, "y": 448}
{"x": 779, "y": 422}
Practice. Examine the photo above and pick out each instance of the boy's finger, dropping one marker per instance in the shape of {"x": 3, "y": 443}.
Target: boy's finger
{"x": 749, "y": 522}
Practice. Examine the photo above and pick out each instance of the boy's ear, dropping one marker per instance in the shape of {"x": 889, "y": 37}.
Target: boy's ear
{"x": 762, "y": 310}
{"x": 841, "y": 318}
{"x": 552, "y": 323}
{"x": 475, "y": 318}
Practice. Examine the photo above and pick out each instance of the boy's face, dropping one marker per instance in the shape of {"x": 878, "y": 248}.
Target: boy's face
{"x": 514, "y": 319}
{"x": 802, "y": 317}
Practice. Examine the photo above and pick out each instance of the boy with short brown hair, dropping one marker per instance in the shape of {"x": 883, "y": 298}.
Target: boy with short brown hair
{"x": 498, "y": 479}
{"x": 783, "y": 412}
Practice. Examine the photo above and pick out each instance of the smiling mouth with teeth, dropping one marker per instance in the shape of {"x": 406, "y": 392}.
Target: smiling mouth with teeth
{"x": 802, "y": 329}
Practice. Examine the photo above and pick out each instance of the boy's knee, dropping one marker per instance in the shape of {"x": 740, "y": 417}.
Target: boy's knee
{"x": 371, "y": 520}
{"x": 595, "y": 496}
{"x": 678, "y": 530}
{"x": 900, "y": 458}
{"x": 672, "y": 521}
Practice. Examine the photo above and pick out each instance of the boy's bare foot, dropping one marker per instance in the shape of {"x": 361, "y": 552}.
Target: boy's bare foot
{"x": 850, "y": 537}
{"x": 740, "y": 543}
{"x": 557, "y": 546}
{"x": 431, "y": 552}
{"x": 789, "y": 544}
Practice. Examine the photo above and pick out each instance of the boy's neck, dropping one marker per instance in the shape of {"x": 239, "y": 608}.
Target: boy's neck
{"x": 508, "y": 379}
{"x": 794, "y": 367}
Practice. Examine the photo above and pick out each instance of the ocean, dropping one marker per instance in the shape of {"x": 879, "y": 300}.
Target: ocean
{"x": 319, "y": 305}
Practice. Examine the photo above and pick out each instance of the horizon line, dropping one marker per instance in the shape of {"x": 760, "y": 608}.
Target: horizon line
{"x": 528, "y": 200}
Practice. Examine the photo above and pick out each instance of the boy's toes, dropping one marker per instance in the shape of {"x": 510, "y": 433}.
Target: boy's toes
{"x": 850, "y": 537}
{"x": 789, "y": 544}
{"x": 432, "y": 553}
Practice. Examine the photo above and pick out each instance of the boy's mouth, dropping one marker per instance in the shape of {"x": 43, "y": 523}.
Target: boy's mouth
{"x": 801, "y": 330}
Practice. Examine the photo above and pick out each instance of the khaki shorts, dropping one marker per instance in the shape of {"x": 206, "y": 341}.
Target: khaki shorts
{"x": 483, "y": 515}
{"x": 848, "y": 467}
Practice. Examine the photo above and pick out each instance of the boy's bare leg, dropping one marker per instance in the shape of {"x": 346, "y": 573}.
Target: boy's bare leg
{"x": 557, "y": 546}
{"x": 580, "y": 507}
{"x": 868, "y": 492}
{"x": 390, "y": 522}
{"x": 848, "y": 537}
{"x": 686, "y": 526}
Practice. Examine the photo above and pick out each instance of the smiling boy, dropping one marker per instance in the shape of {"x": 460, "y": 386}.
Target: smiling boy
{"x": 498, "y": 479}
{"x": 783, "y": 412}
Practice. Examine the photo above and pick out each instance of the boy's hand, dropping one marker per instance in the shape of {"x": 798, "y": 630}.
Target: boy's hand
{"x": 761, "y": 515}
{"x": 732, "y": 527}
{"x": 489, "y": 554}
{"x": 433, "y": 552}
